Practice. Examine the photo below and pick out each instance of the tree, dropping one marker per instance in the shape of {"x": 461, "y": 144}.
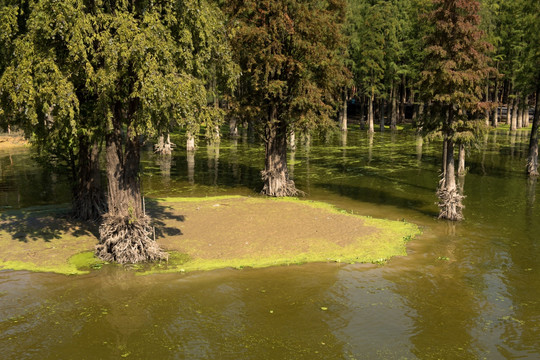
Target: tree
{"x": 289, "y": 53}
{"x": 112, "y": 72}
{"x": 456, "y": 64}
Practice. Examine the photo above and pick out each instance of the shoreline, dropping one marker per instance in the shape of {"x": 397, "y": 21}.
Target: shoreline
{"x": 211, "y": 233}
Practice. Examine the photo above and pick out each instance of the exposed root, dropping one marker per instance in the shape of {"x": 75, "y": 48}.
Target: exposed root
{"x": 450, "y": 205}
{"x": 127, "y": 241}
{"x": 277, "y": 184}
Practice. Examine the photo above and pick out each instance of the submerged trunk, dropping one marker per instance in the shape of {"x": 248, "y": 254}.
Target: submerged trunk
{"x": 126, "y": 231}
{"x": 461, "y": 160}
{"x": 532, "y": 161}
{"x": 88, "y": 202}
{"x": 450, "y": 206}
{"x": 233, "y": 127}
{"x": 190, "y": 142}
{"x": 164, "y": 145}
{"x": 276, "y": 175}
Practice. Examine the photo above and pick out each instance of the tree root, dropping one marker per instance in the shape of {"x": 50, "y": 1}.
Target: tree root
{"x": 127, "y": 241}
{"x": 450, "y": 205}
{"x": 279, "y": 185}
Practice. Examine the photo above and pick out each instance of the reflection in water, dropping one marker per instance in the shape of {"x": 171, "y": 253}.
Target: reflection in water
{"x": 212, "y": 151}
{"x": 165, "y": 163}
{"x": 370, "y": 147}
{"x": 344, "y": 139}
{"x": 190, "y": 166}
{"x": 466, "y": 290}
{"x": 419, "y": 145}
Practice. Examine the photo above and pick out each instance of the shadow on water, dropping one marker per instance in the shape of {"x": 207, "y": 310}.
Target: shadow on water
{"x": 377, "y": 196}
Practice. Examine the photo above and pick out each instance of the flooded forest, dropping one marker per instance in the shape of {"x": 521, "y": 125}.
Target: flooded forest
{"x": 278, "y": 179}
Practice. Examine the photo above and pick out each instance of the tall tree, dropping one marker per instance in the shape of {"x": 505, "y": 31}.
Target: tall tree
{"x": 113, "y": 72}
{"x": 456, "y": 65}
{"x": 293, "y": 72}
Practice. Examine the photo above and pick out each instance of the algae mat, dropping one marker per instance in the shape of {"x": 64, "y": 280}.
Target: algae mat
{"x": 211, "y": 233}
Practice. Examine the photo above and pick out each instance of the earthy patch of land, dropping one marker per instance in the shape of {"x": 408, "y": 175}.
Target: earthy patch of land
{"x": 210, "y": 233}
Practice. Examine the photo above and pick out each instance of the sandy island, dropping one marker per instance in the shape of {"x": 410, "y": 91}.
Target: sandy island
{"x": 208, "y": 233}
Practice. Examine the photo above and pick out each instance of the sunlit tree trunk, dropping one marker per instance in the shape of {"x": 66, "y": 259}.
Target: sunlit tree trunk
{"x": 164, "y": 145}
{"x": 370, "y": 112}
{"x": 461, "y": 161}
{"x": 190, "y": 141}
{"x": 513, "y": 125}
{"x": 343, "y": 113}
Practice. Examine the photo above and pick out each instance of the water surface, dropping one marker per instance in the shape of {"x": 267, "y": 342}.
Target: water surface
{"x": 465, "y": 291}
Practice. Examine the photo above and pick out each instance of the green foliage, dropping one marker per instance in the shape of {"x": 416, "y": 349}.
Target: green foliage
{"x": 290, "y": 53}
{"x": 455, "y": 66}
{"x": 78, "y": 61}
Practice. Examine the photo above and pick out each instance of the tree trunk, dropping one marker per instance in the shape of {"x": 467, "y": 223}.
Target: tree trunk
{"x": 125, "y": 234}
{"x": 292, "y": 140}
{"x": 520, "y": 116}
{"x": 513, "y": 126}
{"x": 381, "y": 114}
{"x": 495, "y": 117}
{"x": 403, "y": 92}
{"x": 461, "y": 161}
{"x": 88, "y": 203}
{"x": 164, "y": 145}
{"x": 276, "y": 175}
{"x": 343, "y": 113}
{"x": 532, "y": 161}
{"x": 233, "y": 127}
{"x": 450, "y": 206}
{"x": 190, "y": 141}
{"x": 394, "y": 112}
{"x": 371, "y": 127}
{"x": 487, "y": 100}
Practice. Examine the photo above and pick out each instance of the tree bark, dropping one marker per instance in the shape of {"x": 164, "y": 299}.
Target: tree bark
{"x": 343, "y": 113}
{"x": 403, "y": 93}
{"x": 394, "y": 112}
{"x": 532, "y": 160}
{"x": 88, "y": 203}
{"x": 450, "y": 206}
{"x": 513, "y": 126}
{"x": 190, "y": 141}
{"x": 371, "y": 127}
{"x": 233, "y": 127}
{"x": 276, "y": 175}
{"x": 461, "y": 161}
{"x": 381, "y": 114}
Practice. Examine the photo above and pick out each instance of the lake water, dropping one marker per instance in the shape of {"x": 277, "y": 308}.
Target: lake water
{"x": 465, "y": 291}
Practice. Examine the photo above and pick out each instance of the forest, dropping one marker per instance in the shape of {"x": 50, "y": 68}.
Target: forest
{"x": 90, "y": 82}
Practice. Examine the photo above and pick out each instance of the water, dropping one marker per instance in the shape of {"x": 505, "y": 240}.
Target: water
{"x": 465, "y": 291}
